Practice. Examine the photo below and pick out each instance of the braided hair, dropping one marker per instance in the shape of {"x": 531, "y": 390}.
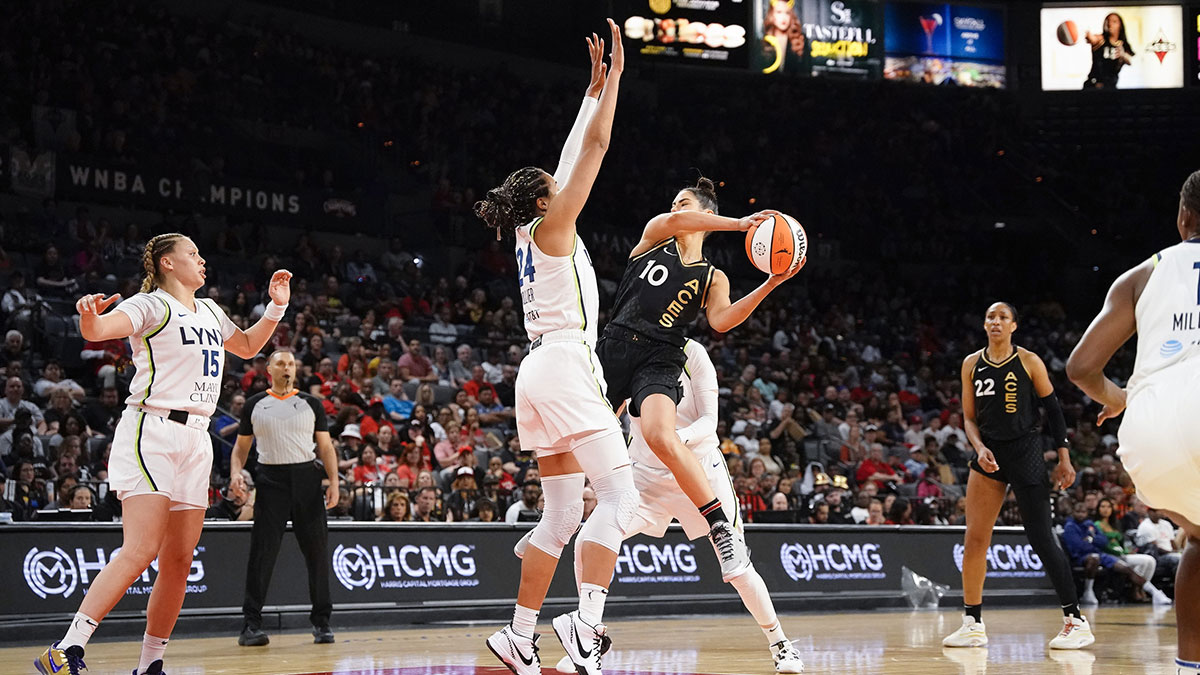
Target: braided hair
{"x": 706, "y": 193}
{"x": 1191, "y": 192}
{"x": 156, "y": 248}
{"x": 514, "y": 203}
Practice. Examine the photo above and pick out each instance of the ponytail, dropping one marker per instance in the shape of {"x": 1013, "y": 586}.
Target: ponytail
{"x": 706, "y": 193}
{"x": 514, "y": 203}
{"x": 156, "y": 248}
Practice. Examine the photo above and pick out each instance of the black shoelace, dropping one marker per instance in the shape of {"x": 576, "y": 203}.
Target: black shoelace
{"x": 724, "y": 541}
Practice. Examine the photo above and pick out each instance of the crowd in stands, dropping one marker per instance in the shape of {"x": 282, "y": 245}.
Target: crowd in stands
{"x": 839, "y": 396}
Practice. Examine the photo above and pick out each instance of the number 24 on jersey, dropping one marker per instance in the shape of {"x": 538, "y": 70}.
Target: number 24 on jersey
{"x": 525, "y": 264}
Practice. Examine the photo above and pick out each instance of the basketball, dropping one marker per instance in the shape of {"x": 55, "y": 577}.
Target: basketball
{"x": 1068, "y": 33}
{"x": 775, "y": 245}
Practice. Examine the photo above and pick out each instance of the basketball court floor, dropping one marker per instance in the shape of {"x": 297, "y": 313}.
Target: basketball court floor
{"x": 1129, "y": 640}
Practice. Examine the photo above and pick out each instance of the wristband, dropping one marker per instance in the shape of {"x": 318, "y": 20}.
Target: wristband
{"x": 274, "y": 311}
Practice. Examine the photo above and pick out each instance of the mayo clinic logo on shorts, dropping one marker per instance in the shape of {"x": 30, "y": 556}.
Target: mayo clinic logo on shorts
{"x": 55, "y": 572}
{"x": 1170, "y": 348}
{"x": 407, "y": 566}
{"x": 657, "y": 564}
{"x": 805, "y": 562}
{"x": 1008, "y": 561}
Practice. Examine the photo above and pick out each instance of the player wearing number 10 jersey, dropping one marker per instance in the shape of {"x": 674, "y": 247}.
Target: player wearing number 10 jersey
{"x": 562, "y": 413}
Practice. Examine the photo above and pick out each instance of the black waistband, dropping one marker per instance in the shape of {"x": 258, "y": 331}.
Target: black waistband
{"x": 179, "y": 416}
{"x": 616, "y": 332}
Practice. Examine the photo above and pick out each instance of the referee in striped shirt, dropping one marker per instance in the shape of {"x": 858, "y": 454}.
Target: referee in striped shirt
{"x": 286, "y": 423}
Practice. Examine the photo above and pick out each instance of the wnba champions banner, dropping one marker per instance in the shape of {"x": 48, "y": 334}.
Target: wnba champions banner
{"x": 148, "y": 186}
{"x": 47, "y": 569}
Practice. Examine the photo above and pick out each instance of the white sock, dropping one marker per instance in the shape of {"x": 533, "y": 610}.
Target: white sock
{"x": 153, "y": 649}
{"x": 524, "y": 621}
{"x": 1187, "y": 667}
{"x": 1149, "y": 588}
{"x": 1087, "y": 586}
{"x": 82, "y": 627}
{"x": 591, "y": 602}
{"x": 757, "y": 599}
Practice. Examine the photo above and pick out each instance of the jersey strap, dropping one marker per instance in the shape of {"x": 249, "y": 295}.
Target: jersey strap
{"x": 150, "y": 350}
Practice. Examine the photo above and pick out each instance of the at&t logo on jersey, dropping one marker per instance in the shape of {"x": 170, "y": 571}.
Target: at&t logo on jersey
{"x": 805, "y": 562}
{"x": 656, "y": 564}
{"x": 55, "y": 572}
{"x": 407, "y": 566}
{"x": 1170, "y": 348}
{"x": 1004, "y": 560}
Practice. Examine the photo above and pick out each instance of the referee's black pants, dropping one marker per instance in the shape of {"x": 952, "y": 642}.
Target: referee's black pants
{"x": 283, "y": 491}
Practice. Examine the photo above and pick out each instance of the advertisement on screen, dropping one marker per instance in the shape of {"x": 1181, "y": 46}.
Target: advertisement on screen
{"x": 1194, "y": 37}
{"x": 842, "y": 38}
{"x": 1112, "y": 47}
{"x": 941, "y": 43}
{"x": 687, "y": 31}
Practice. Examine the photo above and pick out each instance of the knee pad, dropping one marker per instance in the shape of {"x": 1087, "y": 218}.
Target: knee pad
{"x": 562, "y": 515}
{"x": 601, "y": 454}
{"x": 616, "y": 505}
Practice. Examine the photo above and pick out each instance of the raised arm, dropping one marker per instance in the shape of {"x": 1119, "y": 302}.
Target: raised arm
{"x": 556, "y": 233}
{"x": 587, "y": 109}
{"x": 247, "y": 343}
{"x": 95, "y": 326}
{"x": 1111, "y": 328}
{"x": 667, "y": 225}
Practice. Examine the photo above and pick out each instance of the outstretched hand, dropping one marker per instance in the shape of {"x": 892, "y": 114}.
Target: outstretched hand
{"x": 746, "y": 223}
{"x": 95, "y": 303}
{"x": 599, "y": 68}
{"x": 780, "y": 278}
{"x": 618, "y": 48}
{"x": 280, "y": 288}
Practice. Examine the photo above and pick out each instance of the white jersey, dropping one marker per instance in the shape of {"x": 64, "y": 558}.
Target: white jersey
{"x": 557, "y": 292}
{"x": 696, "y": 414}
{"x": 1168, "y": 313}
{"x": 178, "y": 354}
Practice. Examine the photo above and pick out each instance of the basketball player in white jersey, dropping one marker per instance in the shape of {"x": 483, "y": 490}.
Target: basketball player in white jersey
{"x": 562, "y": 413}
{"x": 1160, "y": 434}
{"x": 161, "y": 454}
{"x": 662, "y": 500}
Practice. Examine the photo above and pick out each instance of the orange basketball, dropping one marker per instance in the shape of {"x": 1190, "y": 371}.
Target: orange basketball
{"x": 1068, "y": 33}
{"x": 775, "y": 245}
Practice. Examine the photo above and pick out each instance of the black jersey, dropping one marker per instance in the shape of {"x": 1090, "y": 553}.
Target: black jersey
{"x": 1106, "y": 67}
{"x": 1004, "y": 398}
{"x": 660, "y": 295}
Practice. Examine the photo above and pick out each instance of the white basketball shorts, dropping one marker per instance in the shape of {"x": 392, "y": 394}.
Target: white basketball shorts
{"x": 661, "y": 499}
{"x": 153, "y": 455}
{"x": 560, "y": 398}
{"x": 1160, "y": 440}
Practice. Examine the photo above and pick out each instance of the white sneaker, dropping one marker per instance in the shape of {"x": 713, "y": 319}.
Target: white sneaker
{"x": 565, "y": 665}
{"x": 970, "y": 634}
{"x": 521, "y": 545}
{"x": 517, "y": 652}
{"x": 1161, "y": 599}
{"x": 1089, "y": 598}
{"x": 583, "y": 642}
{"x": 1076, "y": 634}
{"x": 731, "y": 549}
{"x": 787, "y": 658}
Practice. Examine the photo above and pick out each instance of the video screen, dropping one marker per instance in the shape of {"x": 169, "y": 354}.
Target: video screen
{"x": 686, "y": 31}
{"x": 945, "y": 44}
{"x": 1194, "y": 36}
{"x": 1112, "y": 47}
{"x": 843, "y": 38}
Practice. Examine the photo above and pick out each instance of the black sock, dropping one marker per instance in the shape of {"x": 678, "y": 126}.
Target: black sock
{"x": 974, "y": 611}
{"x": 1072, "y": 610}
{"x": 713, "y": 513}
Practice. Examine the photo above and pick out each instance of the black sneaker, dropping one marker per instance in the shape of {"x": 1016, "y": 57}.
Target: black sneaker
{"x": 322, "y": 635}
{"x": 253, "y": 637}
{"x": 155, "y": 668}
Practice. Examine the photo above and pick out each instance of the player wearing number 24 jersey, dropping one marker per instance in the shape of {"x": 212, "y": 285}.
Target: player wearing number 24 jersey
{"x": 562, "y": 413}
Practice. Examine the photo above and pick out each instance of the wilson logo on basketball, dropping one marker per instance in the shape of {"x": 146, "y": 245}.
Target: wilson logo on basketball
{"x": 805, "y": 562}
{"x": 408, "y": 566}
{"x": 55, "y": 572}
{"x": 1004, "y": 560}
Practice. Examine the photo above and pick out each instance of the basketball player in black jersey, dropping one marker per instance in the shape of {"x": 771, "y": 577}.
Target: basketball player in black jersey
{"x": 1001, "y": 385}
{"x": 667, "y": 282}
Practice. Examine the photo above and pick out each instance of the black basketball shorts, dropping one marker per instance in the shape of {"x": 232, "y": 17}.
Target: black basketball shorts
{"x": 636, "y": 366}
{"x": 1021, "y": 461}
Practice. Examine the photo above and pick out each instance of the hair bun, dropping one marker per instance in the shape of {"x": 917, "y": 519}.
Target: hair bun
{"x": 703, "y": 183}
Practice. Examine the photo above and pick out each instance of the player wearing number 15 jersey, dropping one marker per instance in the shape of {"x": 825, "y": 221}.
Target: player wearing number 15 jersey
{"x": 562, "y": 413}
{"x": 1160, "y": 434}
{"x": 1002, "y": 385}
